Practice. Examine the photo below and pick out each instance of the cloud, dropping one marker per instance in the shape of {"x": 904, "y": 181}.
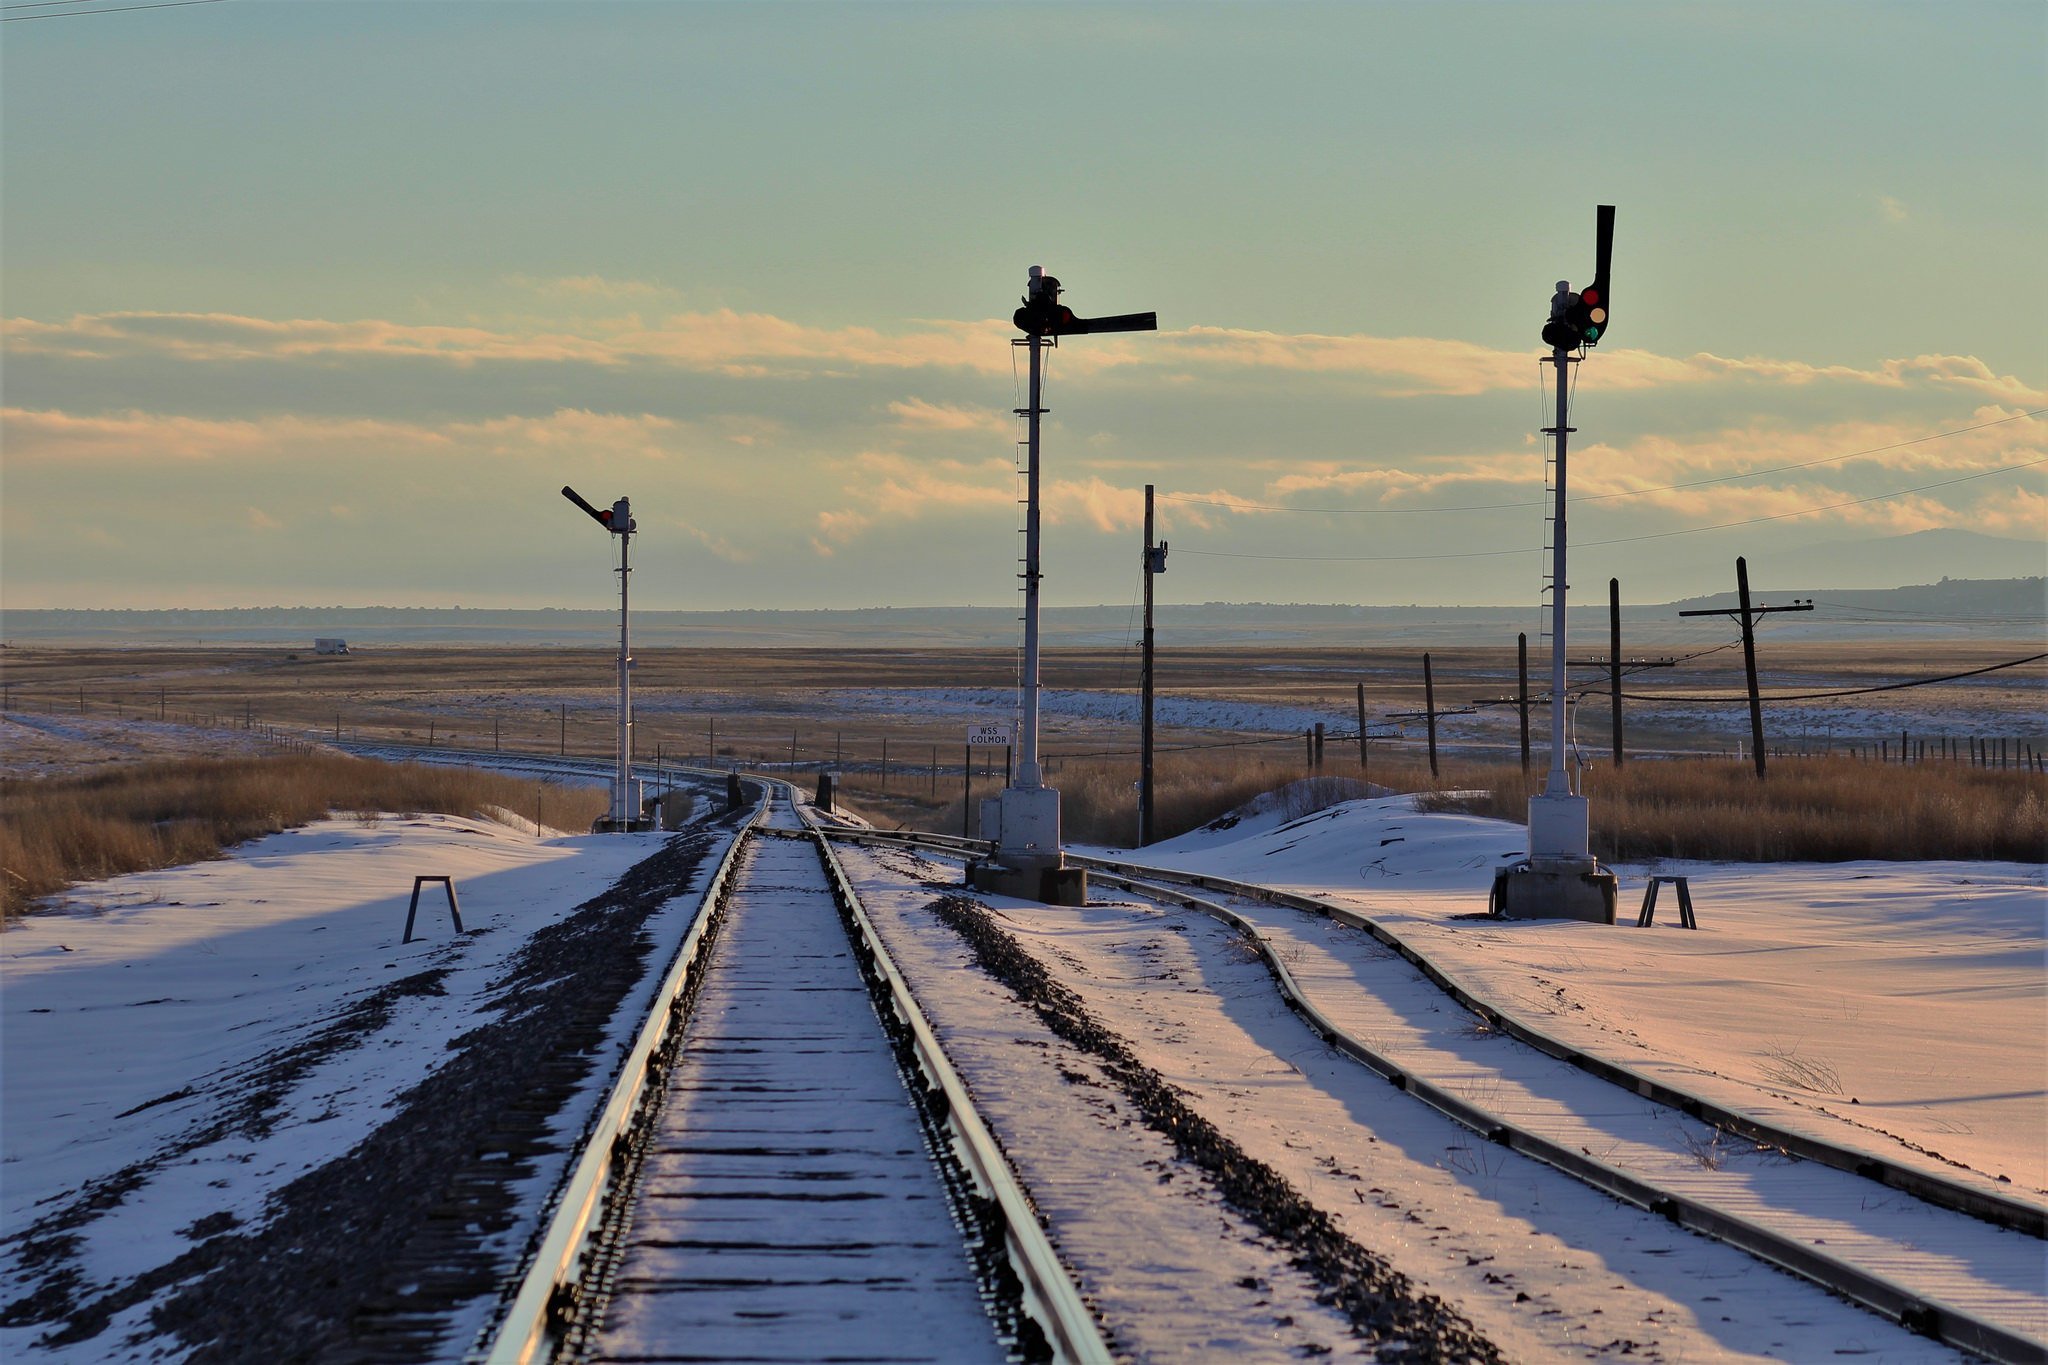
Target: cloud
{"x": 138, "y": 437}
{"x": 915, "y": 414}
{"x": 761, "y": 346}
{"x": 878, "y": 487}
{"x": 1892, "y": 209}
{"x": 589, "y": 287}
{"x": 719, "y": 546}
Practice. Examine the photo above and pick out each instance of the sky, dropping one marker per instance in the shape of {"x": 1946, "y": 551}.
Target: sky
{"x": 321, "y": 303}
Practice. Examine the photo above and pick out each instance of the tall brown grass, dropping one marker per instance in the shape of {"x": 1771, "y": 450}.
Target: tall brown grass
{"x": 1804, "y": 810}
{"x": 1099, "y": 798}
{"x": 55, "y": 831}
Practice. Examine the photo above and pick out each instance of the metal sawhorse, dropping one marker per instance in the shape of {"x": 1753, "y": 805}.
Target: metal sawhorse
{"x": 1649, "y": 910}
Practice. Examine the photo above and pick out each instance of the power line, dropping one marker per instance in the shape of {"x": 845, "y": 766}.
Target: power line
{"x": 1600, "y": 497}
{"x": 1847, "y": 691}
{"x": 118, "y": 9}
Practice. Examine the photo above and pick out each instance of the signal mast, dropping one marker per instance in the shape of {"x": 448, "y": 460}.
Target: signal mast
{"x": 1023, "y": 823}
{"x": 625, "y": 814}
{"x": 1561, "y": 879}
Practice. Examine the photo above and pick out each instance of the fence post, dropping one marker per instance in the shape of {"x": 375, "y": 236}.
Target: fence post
{"x": 1364, "y": 764}
{"x": 1522, "y": 694}
{"x": 1429, "y": 706}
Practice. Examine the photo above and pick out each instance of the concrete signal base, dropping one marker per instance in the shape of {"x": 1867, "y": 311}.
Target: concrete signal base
{"x": 1529, "y": 890}
{"x": 605, "y": 824}
{"x": 1046, "y": 880}
{"x": 1023, "y": 824}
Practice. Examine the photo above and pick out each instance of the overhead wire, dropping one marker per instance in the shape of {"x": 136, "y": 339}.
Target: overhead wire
{"x": 1846, "y": 691}
{"x": 115, "y": 9}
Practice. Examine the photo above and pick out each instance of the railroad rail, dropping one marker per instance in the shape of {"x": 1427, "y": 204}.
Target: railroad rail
{"x": 1887, "y": 1296}
{"x": 1965, "y": 1328}
{"x": 725, "y": 1104}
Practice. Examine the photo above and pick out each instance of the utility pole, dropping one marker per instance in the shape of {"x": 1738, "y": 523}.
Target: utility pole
{"x": 1746, "y": 616}
{"x": 1154, "y": 565}
{"x": 1614, "y": 658}
{"x": 1429, "y": 709}
{"x": 1428, "y": 714}
{"x": 1364, "y": 766}
{"x": 1522, "y": 694}
{"x": 1028, "y": 859}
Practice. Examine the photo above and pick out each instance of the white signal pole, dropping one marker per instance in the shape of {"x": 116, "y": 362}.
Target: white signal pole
{"x": 1561, "y": 879}
{"x": 1023, "y": 824}
{"x": 625, "y": 792}
{"x": 1029, "y": 775}
{"x": 1559, "y": 782}
{"x": 625, "y": 807}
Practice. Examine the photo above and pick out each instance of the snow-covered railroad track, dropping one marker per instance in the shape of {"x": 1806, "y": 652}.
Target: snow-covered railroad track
{"x": 803, "y": 1175}
{"x": 1932, "y": 1269}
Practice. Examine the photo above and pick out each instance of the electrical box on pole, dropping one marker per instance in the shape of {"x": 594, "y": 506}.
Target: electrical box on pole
{"x": 1027, "y": 859}
{"x": 625, "y": 812}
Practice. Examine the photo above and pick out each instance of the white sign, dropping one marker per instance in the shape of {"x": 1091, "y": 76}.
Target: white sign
{"x": 996, "y": 735}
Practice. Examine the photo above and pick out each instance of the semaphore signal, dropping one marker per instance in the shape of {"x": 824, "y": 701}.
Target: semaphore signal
{"x": 1024, "y": 822}
{"x": 625, "y": 813}
{"x": 1560, "y": 878}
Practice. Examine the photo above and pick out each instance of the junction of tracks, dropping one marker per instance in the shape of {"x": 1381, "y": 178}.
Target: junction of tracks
{"x": 874, "y": 1117}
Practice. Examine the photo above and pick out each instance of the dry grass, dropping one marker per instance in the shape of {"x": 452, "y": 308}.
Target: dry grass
{"x": 55, "y": 831}
{"x": 1099, "y": 797}
{"x": 1806, "y": 810}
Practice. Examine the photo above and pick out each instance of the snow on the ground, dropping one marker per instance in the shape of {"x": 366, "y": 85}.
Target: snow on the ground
{"x": 138, "y": 1006}
{"x": 34, "y": 744}
{"x": 1892, "y": 1005}
{"x": 1545, "y": 1267}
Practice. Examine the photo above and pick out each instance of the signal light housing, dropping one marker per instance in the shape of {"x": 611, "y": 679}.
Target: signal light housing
{"x": 1582, "y": 319}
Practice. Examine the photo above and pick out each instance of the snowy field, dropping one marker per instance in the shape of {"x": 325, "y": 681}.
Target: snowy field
{"x": 39, "y": 745}
{"x": 1900, "y": 1006}
{"x": 199, "y": 1037}
{"x": 1908, "y": 1001}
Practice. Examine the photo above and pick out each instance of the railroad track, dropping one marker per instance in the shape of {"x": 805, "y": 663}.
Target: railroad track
{"x": 1885, "y": 1264}
{"x": 787, "y": 1166}
{"x": 1981, "y": 1251}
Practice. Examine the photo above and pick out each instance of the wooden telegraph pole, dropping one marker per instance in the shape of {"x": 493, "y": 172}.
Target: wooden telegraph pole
{"x": 1614, "y": 658}
{"x": 1746, "y": 615}
{"x": 1522, "y": 694}
{"x": 1154, "y": 565}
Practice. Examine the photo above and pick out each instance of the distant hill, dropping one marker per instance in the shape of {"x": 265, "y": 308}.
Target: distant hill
{"x": 2015, "y": 608}
{"x": 1882, "y": 562}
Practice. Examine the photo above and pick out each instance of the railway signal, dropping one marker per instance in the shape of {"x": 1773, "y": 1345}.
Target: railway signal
{"x": 1582, "y": 318}
{"x": 625, "y": 812}
{"x": 1023, "y": 823}
{"x": 1560, "y": 878}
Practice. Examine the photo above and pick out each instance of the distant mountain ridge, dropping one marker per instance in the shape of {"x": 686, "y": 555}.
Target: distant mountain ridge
{"x": 2015, "y": 607}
